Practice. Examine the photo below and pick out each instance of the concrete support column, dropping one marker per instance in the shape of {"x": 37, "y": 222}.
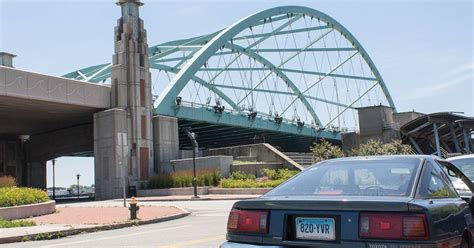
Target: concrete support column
{"x": 37, "y": 175}
{"x": 437, "y": 141}
{"x": 455, "y": 139}
{"x": 165, "y": 141}
{"x": 417, "y": 147}
{"x": 467, "y": 143}
{"x": 10, "y": 159}
{"x": 110, "y": 158}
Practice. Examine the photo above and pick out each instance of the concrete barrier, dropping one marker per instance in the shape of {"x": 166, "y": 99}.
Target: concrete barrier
{"x": 263, "y": 152}
{"x": 219, "y": 163}
{"x": 172, "y": 191}
{"x": 202, "y": 191}
{"x": 26, "y": 211}
{"x": 256, "y": 168}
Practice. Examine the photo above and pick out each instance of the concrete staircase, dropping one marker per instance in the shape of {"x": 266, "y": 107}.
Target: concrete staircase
{"x": 303, "y": 159}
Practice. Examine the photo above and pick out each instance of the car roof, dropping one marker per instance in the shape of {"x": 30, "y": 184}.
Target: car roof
{"x": 385, "y": 157}
{"x": 461, "y": 157}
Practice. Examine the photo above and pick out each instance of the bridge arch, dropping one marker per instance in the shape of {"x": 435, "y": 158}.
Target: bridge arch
{"x": 198, "y": 51}
{"x": 166, "y": 99}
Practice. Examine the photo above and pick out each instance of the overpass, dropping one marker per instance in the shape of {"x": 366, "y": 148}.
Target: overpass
{"x": 288, "y": 76}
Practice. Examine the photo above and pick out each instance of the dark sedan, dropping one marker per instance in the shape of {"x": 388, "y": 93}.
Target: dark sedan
{"x": 375, "y": 202}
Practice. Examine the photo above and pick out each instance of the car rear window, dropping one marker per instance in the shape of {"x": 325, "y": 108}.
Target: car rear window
{"x": 358, "y": 177}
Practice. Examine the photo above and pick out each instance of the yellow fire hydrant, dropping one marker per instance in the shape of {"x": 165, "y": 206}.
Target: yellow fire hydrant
{"x": 133, "y": 208}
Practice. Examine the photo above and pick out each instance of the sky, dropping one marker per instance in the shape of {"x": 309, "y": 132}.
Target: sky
{"x": 423, "y": 49}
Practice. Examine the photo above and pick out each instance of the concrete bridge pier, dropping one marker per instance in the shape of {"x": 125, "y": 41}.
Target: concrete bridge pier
{"x": 37, "y": 174}
{"x": 16, "y": 161}
{"x": 111, "y": 151}
{"x": 123, "y": 138}
{"x": 165, "y": 141}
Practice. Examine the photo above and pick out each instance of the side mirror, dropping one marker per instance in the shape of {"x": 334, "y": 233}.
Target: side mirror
{"x": 451, "y": 173}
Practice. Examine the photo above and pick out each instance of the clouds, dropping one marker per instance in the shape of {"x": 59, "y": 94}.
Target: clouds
{"x": 462, "y": 74}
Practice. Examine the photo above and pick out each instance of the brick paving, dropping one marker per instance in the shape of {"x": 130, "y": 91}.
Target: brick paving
{"x": 102, "y": 215}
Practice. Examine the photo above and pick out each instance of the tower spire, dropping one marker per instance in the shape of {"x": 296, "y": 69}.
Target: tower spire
{"x": 131, "y": 83}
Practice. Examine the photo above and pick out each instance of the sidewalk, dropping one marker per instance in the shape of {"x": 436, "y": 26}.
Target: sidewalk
{"x": 70, "y": 220}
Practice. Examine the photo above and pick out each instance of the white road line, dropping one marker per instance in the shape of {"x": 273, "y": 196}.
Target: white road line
{"x": 212, "y": 215}
{"x": 116, "y": 236}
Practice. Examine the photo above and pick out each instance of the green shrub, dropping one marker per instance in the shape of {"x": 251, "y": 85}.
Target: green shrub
{"x": 325, "y": 150}
{"x": 376, "y": 147}
{"x": 281, "y": 174}
{"x": 232, "y": 183}
{"x": 14, "y": 196}
{"x": 15, "y": 223}
{"x": 238, "y": 175}
{"x": 184, "y": 179}
{"x": 7, "y": 181}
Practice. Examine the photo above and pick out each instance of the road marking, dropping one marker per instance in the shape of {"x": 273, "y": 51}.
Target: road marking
{"x": 212, "y": 215}
{"x": 116, "y": 236}
{"x": 194, "y": 242}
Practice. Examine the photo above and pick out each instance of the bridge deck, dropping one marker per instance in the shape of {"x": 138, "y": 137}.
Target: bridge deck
{"x": 32, "y": 103}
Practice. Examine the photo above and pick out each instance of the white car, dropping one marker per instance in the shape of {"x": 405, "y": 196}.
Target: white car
{"x": 464, "y": 163}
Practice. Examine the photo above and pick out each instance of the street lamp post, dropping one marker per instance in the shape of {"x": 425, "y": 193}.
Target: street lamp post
{"x": 54, "y": 180}
{"x": 192, "y": 136}
{"x": 78, "y": 176}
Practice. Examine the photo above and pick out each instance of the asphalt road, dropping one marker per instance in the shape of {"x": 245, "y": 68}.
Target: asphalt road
{"x": 205, "y": 227}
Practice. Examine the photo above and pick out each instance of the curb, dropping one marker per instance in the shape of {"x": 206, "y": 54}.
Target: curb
{"x": 198, "y": 199}
{"x": 29, "y": 210}
{"x": 70, "y": 232}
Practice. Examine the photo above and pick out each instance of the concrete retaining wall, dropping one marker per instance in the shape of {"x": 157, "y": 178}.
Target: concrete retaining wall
{"x": 26, "y": 211}
{"x": 238, "y": 191}
{"x": 202, "y": 191}
{"x": 172, "y": 191}
{"x": 255, "y": 168}
{"x": 220, "y": 163}
{"x": 263, "y": 152}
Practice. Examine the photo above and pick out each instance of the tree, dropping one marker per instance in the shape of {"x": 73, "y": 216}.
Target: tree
{"x": 325, "y": 150}
{"x": 376, "y": 147}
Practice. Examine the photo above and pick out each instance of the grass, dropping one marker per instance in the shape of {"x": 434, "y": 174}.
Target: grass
{"x": 48, "y": 236}
{"x": 184, "y": 179}
{"x": 233, "y": 183}
{"x": 16, "y": 196}
{"x": 16, "y": 223}
{"x": 237, "y": 175}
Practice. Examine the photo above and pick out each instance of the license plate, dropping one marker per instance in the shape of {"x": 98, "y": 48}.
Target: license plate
{"x": 315, "y": 228}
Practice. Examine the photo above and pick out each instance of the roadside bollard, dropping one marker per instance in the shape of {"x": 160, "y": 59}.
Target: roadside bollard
{"x": 133, "y": 208}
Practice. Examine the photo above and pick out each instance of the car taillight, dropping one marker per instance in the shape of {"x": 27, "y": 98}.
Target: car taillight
{"x": 248, "y": 221}
{"x": 393, "y": 226}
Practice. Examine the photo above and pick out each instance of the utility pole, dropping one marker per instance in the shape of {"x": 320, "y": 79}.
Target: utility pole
{"x": 78, "y": 192}
{"x": 192, "y": 136}
{"x": 54, "y": 180}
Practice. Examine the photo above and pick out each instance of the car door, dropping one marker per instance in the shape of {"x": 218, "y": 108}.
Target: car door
{"x": 446, "y": 209}
{"x": 452, "y": 170}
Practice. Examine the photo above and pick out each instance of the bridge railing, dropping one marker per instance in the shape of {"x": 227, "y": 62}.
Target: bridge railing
{"x": 256, "y": 114}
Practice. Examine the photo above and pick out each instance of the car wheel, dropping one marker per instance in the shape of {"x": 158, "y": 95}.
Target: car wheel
{"x": 465, "y": 242}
